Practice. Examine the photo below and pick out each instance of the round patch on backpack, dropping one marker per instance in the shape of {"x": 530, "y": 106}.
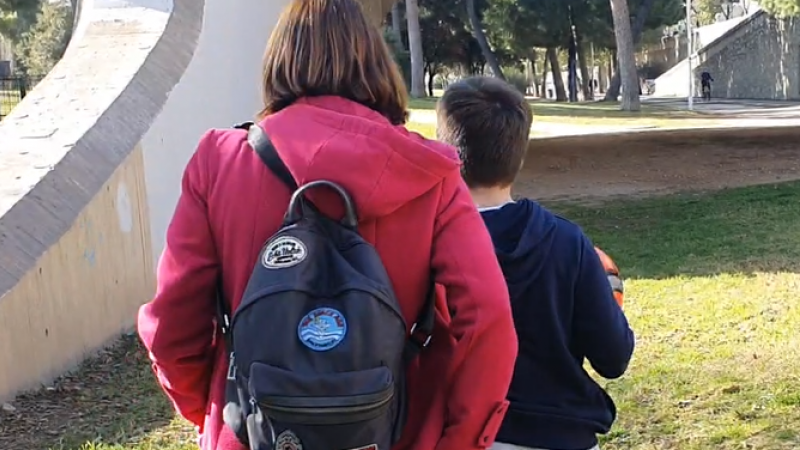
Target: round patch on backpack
{"x": 286, "y": 251}
{"x": 288, "y": 441}
{"x": 322, "y": 329}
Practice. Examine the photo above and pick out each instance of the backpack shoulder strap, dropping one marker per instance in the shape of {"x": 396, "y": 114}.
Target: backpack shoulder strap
{"x": 262, "y": 145}
{"x": 259, "y": 141}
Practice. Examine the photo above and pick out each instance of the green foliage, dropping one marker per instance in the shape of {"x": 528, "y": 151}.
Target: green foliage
{"x": 524, "y": 24}
{"x": 447, "y": 39}
{"x": 41, "y": 47}
{"x": 781, "y": 8}
{"x": 515, "y": 28}
{"x": 401, "y": 56}
{"x": 517, "y": 78}
{"x": 663, "y": 13}
{"x": 705, "y": 11}
{"x": 17, "y": 16}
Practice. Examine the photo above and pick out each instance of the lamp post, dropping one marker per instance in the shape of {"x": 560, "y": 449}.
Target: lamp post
{"x": 689, "y": 51}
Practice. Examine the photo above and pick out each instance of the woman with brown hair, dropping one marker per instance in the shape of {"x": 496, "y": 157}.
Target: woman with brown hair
{"x": 334, "y": 108}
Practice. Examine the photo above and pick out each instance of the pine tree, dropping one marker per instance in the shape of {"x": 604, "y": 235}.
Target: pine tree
{"x": 42, "y": 46}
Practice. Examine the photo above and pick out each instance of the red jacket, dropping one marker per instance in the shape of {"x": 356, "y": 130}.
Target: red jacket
{"x": 415, "y": 209}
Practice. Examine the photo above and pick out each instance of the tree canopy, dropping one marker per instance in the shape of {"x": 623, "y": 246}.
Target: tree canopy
{"x": 781, "y": 8}
{"x": 16, "y": 16}
{"x": 523, "y": 24}
{"x": 41, "y": 47}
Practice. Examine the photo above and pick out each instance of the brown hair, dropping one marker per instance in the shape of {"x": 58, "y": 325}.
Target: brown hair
{"x": 328, "y": 47}
{"x": 489, "y": 122}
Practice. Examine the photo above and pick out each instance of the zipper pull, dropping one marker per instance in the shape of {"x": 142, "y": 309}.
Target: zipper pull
{"x": 232, "y": 367}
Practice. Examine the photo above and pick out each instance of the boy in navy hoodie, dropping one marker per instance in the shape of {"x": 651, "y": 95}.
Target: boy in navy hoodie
{"x": 564, "y": 309}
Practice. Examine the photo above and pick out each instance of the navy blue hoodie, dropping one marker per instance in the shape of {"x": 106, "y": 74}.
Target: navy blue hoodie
{"x": 564, "y": 312}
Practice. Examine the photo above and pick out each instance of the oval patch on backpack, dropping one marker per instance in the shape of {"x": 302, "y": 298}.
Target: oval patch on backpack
{"x": 286, "y": 251}
{"x": 288, "y": 441}
{"x": 322, "y": 329}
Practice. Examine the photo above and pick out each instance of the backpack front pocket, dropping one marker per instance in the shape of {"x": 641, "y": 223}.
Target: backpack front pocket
{"x": 353, "y": 409}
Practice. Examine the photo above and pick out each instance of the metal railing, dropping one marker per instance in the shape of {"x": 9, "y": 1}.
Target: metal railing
{"x": 13, "y": 90}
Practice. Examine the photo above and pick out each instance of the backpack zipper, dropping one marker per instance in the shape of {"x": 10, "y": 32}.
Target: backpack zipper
{"x": 303, "y": 411}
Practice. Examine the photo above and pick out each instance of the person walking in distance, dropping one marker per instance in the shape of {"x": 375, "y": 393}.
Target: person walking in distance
{"x": 705, "y": 83}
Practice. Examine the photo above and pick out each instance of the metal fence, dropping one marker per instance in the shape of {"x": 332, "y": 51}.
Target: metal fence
{"x": 13, "y": 90}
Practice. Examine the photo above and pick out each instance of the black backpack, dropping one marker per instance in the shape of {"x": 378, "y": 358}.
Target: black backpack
{"x": 318, "y": 346}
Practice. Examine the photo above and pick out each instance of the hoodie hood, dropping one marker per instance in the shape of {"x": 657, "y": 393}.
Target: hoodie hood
{"x": 382, "y": 166}
{"x": 522, "y": 234}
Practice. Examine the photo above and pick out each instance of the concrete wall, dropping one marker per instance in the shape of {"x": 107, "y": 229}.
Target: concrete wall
{"x": 761, "y": 62}
{"x": 759, "y": 58}
{"x": 675, "y": 82}
{"x": 220, "y": 87}
{"x": 90, "y": 165}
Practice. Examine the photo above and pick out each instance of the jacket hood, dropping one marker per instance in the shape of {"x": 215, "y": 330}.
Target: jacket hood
{"x": 381, "y": 165}
{"x": 522, "y": 234}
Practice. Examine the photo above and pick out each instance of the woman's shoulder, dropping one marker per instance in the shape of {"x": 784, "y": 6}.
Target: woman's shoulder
{"x": 220, "y": 141}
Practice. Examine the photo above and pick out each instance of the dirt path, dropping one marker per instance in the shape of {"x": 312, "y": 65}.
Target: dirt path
{"x": 592, "y": 168}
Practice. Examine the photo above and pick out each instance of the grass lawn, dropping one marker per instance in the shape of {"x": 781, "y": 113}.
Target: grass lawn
{"x": 429, "y": 130}
{"x": 600, "y": 114}
{"x": 426, "y": 129}
{"x": 712, "y": 286}
{"x": 712, "y": 295}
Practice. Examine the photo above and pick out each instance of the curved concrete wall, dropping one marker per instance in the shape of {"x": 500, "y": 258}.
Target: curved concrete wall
{"x": 90, "y": 164}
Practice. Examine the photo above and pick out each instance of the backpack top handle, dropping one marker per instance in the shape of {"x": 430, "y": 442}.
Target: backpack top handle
{"x": 295, "y": 210}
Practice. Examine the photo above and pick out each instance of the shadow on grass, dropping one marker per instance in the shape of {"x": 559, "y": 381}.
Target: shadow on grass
{"x": 742, "y": 230}
{"x": 111, "y": 399}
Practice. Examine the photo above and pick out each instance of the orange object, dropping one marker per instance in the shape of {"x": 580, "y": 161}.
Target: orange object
{"x": 613, "y": 276}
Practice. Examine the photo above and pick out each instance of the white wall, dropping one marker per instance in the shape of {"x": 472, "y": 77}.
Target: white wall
{"x": 219, "y": 88}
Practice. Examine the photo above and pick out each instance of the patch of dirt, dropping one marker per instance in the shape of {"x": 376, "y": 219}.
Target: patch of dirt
{"x": 590, "y": 169}
{"x": 112, "y": 398}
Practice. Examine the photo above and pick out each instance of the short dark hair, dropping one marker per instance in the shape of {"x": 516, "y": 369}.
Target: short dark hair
{"x": 489, "y": 122}
{"x": 329, "y": 47}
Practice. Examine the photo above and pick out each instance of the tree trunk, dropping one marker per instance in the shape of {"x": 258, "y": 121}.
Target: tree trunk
{"x": 627, "y": 63}
{"x": 431, "y": 75}
{"x": 415, "y": 48}
{"x": 558, "y": 79}
{"x": 532, "y": 62}
{"x": 586, "y": 87}
{"x": 397, "y": 25}
{"x": 480, "y": 36}
{"x": 636, "y": 29}
{"x": 543, "y": 89}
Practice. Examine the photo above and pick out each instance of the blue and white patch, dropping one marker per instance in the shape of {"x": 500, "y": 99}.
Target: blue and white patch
{"x": 322, "y": 329}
